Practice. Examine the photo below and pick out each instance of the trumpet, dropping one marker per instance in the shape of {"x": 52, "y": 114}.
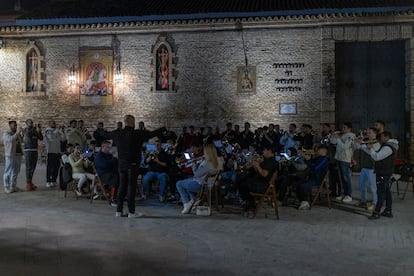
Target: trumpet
{"x": 249, "y": 165}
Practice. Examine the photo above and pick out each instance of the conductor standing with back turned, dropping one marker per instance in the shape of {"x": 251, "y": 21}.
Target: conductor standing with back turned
{"x": 129, "y": 158}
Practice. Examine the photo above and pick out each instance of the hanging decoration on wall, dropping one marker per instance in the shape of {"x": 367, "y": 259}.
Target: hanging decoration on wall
{"x": 96, "y": 77}
{"x": 246, "y": 79}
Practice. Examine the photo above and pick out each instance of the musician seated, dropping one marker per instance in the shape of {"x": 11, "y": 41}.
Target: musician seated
{"x": 189, "y": 187}
{"x": 158, "y": 162}
{"x": 258, "y": 181}
{"x": 318, "y": 166}
{"x": 79, "y": 163}
{"x": 107, "y": 169}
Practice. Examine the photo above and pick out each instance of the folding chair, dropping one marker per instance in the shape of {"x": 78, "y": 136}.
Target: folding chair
{"x": 270, "y": 194}
{"x": 100, "y": 189}
{"x": 323, "y": 187}
{"x": 71, "y": 186}
{"x": 204, "y": 195}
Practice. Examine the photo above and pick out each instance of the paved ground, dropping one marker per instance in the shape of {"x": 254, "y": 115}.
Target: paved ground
{"x": 42, "y": 233}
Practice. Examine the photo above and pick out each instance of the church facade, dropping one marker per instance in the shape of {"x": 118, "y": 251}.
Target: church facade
{"x": 209, "y": 71}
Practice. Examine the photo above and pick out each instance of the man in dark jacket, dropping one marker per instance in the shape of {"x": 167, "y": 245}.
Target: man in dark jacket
{"x": 384, "y": 164}
{"x": 31, "y": 136}
{"x": 129, "y": 158}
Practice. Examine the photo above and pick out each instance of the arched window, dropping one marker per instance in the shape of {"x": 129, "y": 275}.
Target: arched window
{"x": 34, "y": 69}
{"x": 32, "y": 73}
{"x": 163, "y": 64}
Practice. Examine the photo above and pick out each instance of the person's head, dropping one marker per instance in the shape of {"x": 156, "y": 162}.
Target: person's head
{"x": 292, "y": 151}
{"x": 347, "y": 127}
{"x": 29, "y": 122}
{"x": 322, "y": 150}
{"x": 209, "y": 130}
{"x": 229, "y": 126}
{"x": 69, "y": 148}
{"x": 326, "y": 128}
{"x": 306, "y": 128}
{"x": 379, "y": 125}
{"x": 196, "y": 148}
{"x": 129, "y": 121}
{"x": 236, "y": 128}
{"x": 77, "y": 149}
{"x": 106, "y": 146}
{"x": 372, "y": 133}
{"x": 73, "y": 123}
{"x": 246, "y": 126}
{"x": 13, "y": 126}
{"x": 141, "y": 125}
{"x": 217, "y": 129}
{"x": 92, "y": 145}
{"x": 210, "y": 154}
{"x": 119, "y": 125}
{"x": 385, "y": 136}
{"x": 277, "y": 128}
{"x": 201, "y": 130}
{"x": 191, "y": 129}
{"x": 268, "y": 151}
{"x": 100, "y": 125}
{"x": 292, "y": 128}
{"x": 271, "y": 127}
{"x": 52, "y": 124}
{"x": 80, "y": 123}
{"x": 158, "y": 144}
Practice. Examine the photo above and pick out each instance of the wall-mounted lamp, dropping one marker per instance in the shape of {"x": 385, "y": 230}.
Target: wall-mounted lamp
{"x": 329, "y": 80}
{"x": 118, "y": 74}
{"x": 1, "y": 43}
{"x": 72, "y": 74}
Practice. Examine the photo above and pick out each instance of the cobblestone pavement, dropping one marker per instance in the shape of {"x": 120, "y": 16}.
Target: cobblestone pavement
{"x": 43, "y": 233}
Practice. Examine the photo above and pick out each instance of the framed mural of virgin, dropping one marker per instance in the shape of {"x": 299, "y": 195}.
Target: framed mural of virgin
{"x": 246, "y": 79}
{"x": 96, "y": 77}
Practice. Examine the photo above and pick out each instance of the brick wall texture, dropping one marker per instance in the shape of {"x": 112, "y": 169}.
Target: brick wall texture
{"x": 206, "y": 76}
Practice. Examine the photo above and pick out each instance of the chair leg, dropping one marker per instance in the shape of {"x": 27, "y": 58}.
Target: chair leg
{"x": 275, "y": 204}
{"x": 328, "y": 195}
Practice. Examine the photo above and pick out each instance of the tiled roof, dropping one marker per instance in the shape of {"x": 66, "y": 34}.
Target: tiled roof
{"x": 105, "y": 8}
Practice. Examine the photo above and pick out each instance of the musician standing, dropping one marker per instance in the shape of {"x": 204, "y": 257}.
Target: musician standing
{"x": 367, "y": 171}
{"x": 259, "y": 182}
{"x": 384, "y": 164}
{"x": 287, "y": 140}
{"x": 129, "y": 157}
{"x": 343, "y": 155}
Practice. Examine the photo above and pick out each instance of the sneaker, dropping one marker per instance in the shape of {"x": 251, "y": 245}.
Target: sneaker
{"x": 34, "y": 187}
{"x": 187, "y": 208}
{"x": 78, "y": 192}
{"x": 347, "y": 199}
{"x": 162, "y": 199}
{"x": 49, "y": 185}
{"x": 54, "y": 184}
{"x": 118, "y": 214}
{"x": 96, "y": 196}
{"x": 374, "y": 215}
{"x": 16, "y": 189}
{"x": 7, "y": 190}
{"x": 144, "y": 197}
{"x": 371, "y": 207}
{"x": 114, "y": 203}
{"x": 171, "y": 198}
{"x": 135, "y": 215}
{"x": 30, "y": 187}
{"x": 387, "y": 214}
{"x": 339, "y": 198}
{"x": 304, "y": 205}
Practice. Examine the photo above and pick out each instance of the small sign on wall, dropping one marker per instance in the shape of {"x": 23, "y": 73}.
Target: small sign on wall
{"x": 288, "y": 109}
{"x": 246, "y": 79}
{"x": 96, "y": 77}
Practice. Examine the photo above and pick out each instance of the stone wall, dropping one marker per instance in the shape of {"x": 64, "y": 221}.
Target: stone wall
{"x": 206, "y": 80}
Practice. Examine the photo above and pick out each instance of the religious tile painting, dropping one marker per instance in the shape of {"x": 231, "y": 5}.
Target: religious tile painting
{"x": 162, "y": 68}
{"x": 246, "y": 79}
{"x": 96, "y": 77}
{"x": 32, "y": 74}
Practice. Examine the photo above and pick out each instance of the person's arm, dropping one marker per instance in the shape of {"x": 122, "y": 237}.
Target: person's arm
{"x": 202, "y": 170}
{"x": 75, "y": 163}
{"x": 39, "y": 134}
{"x": 157, "y": 132}
{"x": 383, "y": 153}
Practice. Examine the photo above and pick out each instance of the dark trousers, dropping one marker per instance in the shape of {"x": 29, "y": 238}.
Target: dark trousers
{"x": 30, "y": 161}
{"x": 304, "y": 189}
{"x": 127, "y": 186}
{"x": 334, "y": 181}
{"x": 384, "y": 193}
{"x": 53, "y": 164}
{"x": 251, "y": 185}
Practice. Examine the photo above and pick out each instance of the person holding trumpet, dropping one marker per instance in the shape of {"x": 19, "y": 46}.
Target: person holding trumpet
{"x": 259, "y": 181}
{"x": 367, "y": 168}
{"x": 344, "y": 142}
{"x": 189, "y": 187}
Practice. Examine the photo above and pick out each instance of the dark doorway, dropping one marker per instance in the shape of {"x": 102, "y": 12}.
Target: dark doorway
{"x": 370, "y": 86}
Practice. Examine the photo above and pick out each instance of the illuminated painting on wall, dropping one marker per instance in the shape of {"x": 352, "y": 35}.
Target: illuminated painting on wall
{"x": 246, "y": 79}
{"x": 96, "y": 77}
